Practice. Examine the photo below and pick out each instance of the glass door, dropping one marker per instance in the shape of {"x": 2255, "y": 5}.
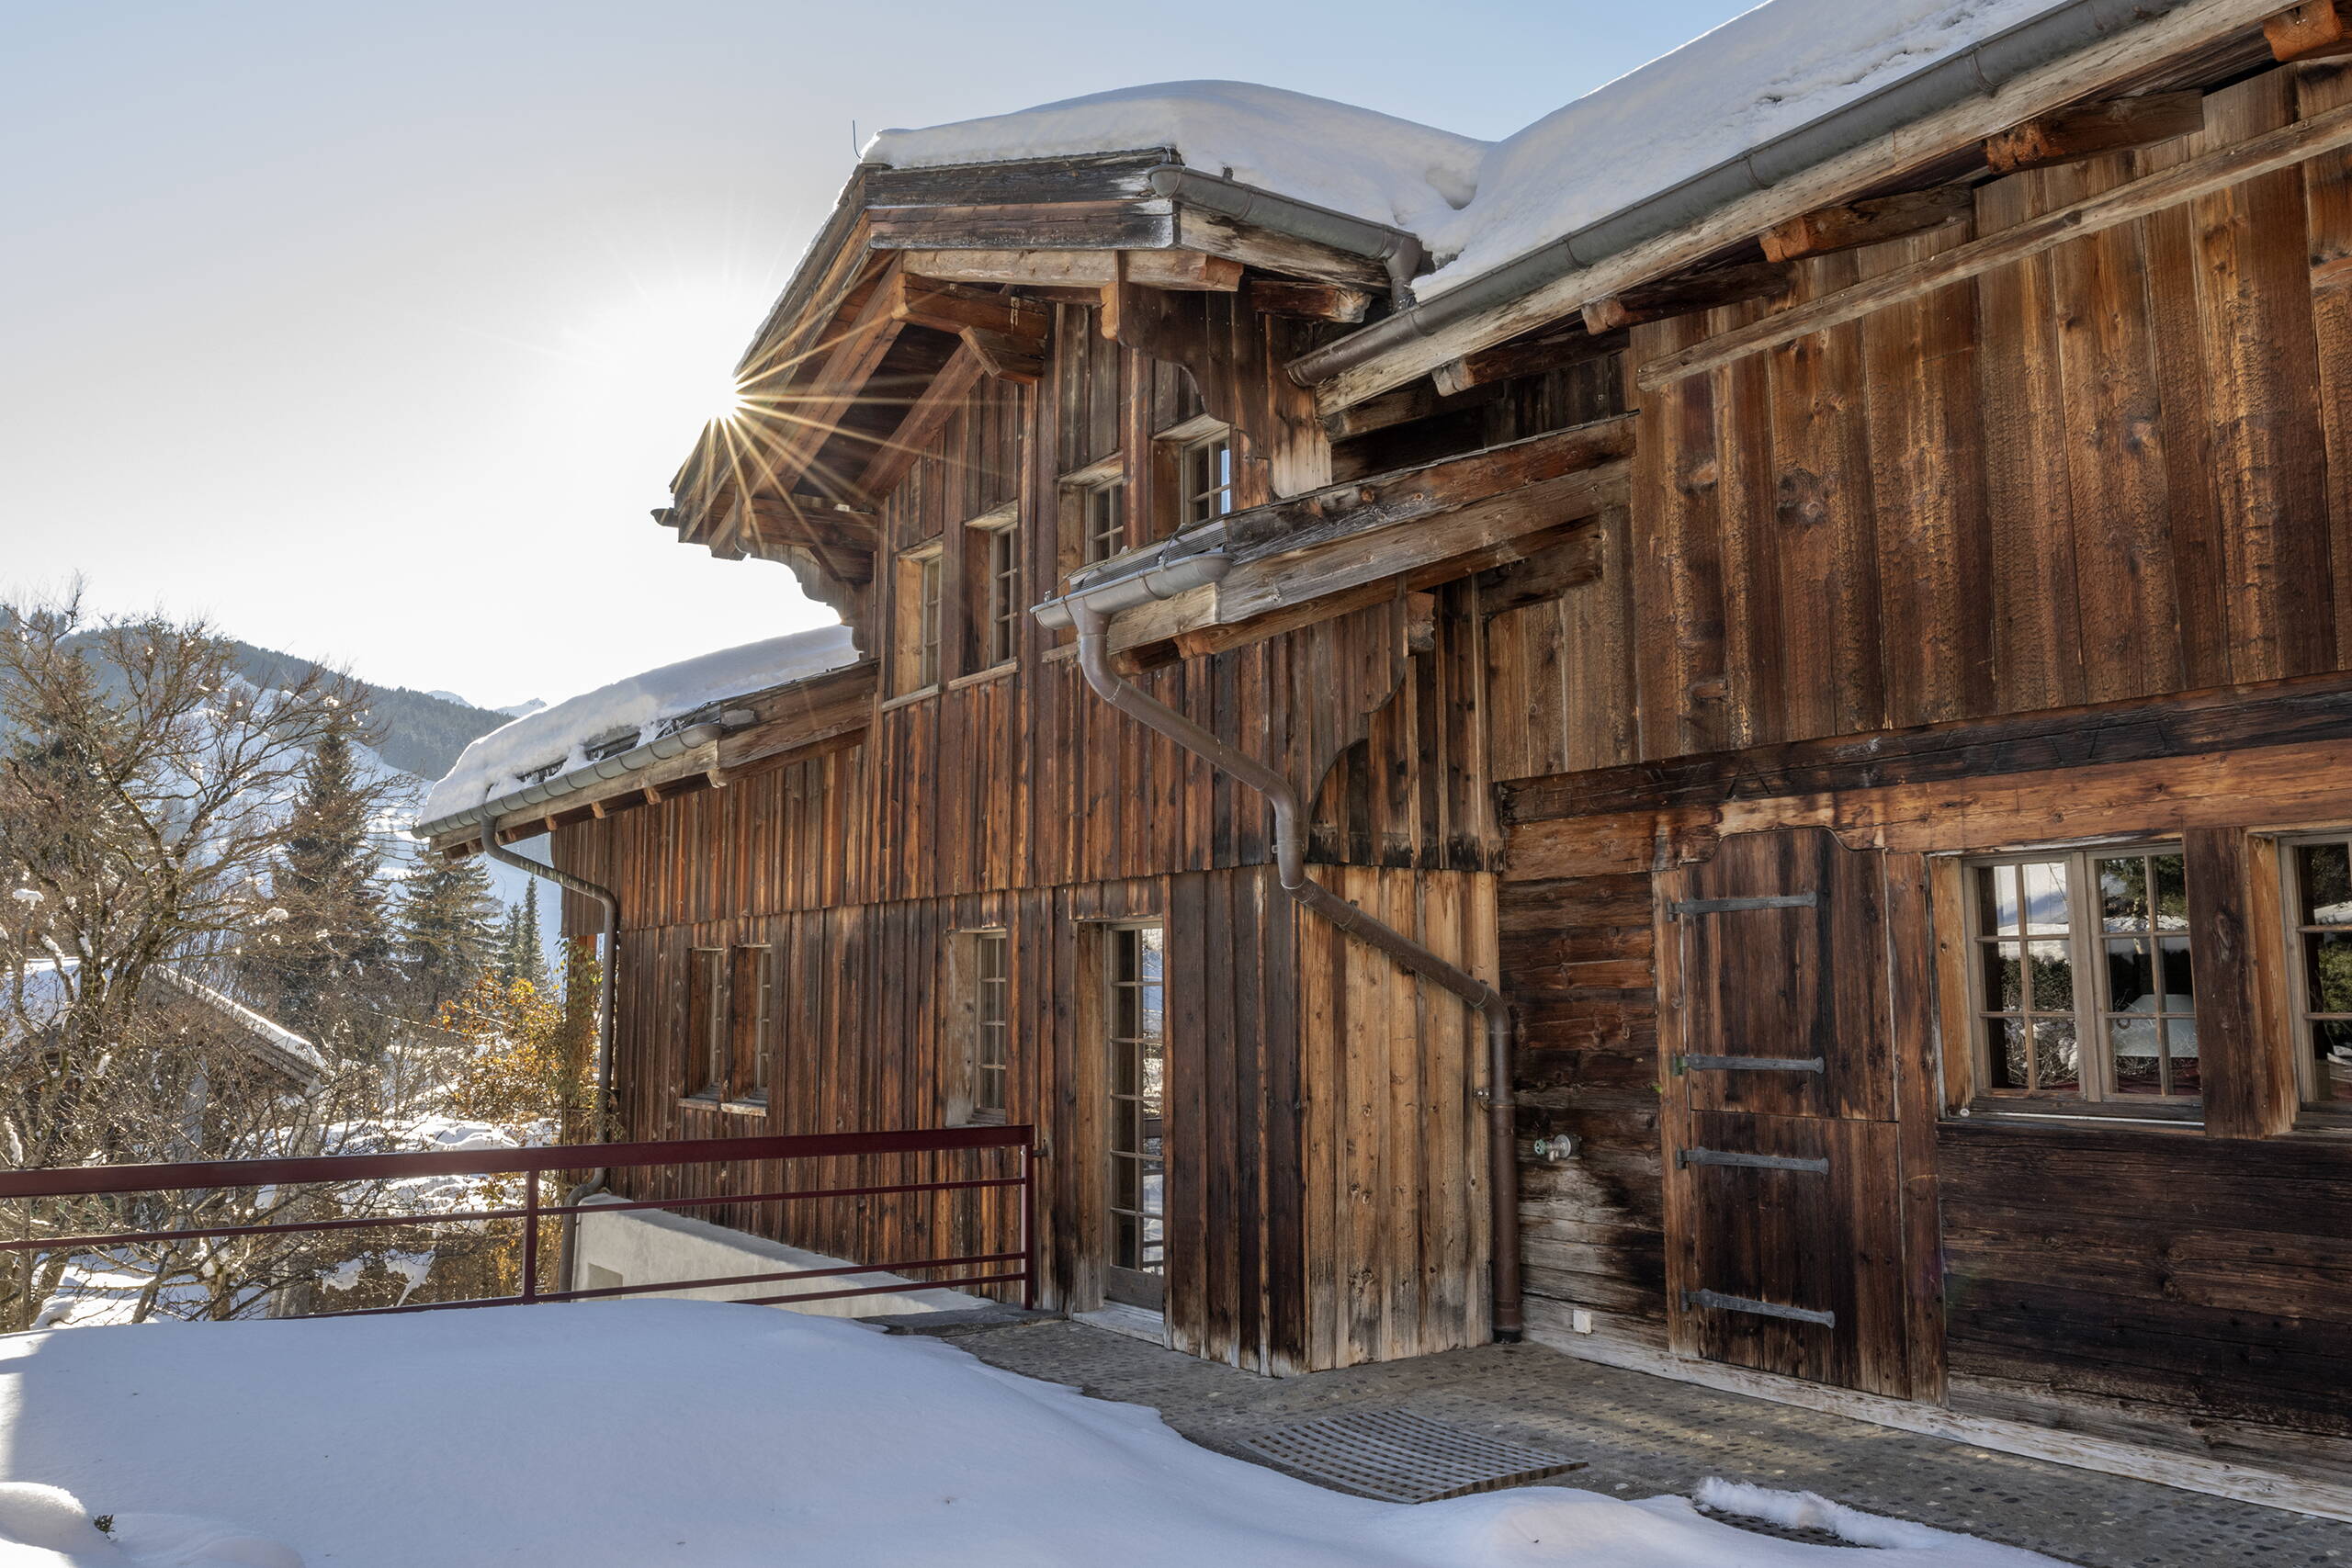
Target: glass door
{"x": 1137, "y": 1231}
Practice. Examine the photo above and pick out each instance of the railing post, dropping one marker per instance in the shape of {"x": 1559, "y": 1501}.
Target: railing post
{"x": 530, "y": 1236}
{"x": 1029, "y": 1222}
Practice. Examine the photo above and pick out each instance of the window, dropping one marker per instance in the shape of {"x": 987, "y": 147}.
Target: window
{"x": 2319, "y": 903}
{"x": 729, "y": 1003}
{"x": 1137, "y": 1253}
{"x": 1205, "y": 467}
{"x": 992, "y": 1024}
{"x": 1103, "y": 510}
{"x": 916, "y": 649}
{"x": 997, "y": 614}
{"x": 2081, "y": 981}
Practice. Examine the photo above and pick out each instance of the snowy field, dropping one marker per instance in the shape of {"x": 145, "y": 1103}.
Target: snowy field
{"x": 628, "y": 1435}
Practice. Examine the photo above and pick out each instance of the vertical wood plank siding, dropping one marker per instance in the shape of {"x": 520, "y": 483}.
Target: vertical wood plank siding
{"x": 2116, "y": 469}
{"x": 2117, "y": 472}
{"x": 1014, "y": 798}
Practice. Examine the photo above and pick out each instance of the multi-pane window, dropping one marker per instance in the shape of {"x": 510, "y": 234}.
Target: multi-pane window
{"x": 1000, "y": 606}
{"x": 916, "y": 642}
{"x": 2082, "y": 980}
{"x": 2320, "y": 903}
{"x": 1105, "y": 518}
{"x": 1206, "y": 470}
{"x": 1137, "y": 1207}
{"x": 729, "y": 1003}
{"x": 992, "y": 1022}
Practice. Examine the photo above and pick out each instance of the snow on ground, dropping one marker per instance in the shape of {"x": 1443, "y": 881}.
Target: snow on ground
{"x": 627, "y": 713}
{"x": 709, "y": 1435}
{"x": 1350, "y": 160}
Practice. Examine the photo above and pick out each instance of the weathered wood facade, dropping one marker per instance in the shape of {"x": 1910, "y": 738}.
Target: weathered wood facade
{"x": 1696, "y": 670}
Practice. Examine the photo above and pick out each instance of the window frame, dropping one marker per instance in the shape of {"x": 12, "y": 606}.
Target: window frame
{"x": 729, "y": 1024}
{"x": 2087, "y": 941}
{"x": 983, "y": 1027}
{"x": 919, "y": 632}
{"x": 1137, "y": 1285}
{"x": 1196, "y": 505}
{"x": 1100, "y": 541}
{"x": 997, "y": 621}
{"x": 2309, "y": 1095}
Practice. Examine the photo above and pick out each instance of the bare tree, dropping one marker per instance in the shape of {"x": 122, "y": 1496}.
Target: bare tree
{"x": 144, "y": 802}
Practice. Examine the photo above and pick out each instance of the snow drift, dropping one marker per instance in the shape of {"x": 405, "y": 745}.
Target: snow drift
{"x": 620, "y": 1435}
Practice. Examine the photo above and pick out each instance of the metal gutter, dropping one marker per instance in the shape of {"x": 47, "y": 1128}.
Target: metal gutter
{"x": 637, "y": 758}
{"x": 1089, "y": 608}
{"x": 1978, "y": 72}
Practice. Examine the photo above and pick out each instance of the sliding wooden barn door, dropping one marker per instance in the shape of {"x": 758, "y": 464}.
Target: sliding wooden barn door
{"x": 1782, "y": 1163}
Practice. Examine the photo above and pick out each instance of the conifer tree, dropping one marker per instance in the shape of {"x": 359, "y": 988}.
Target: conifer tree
{"x": 323, "y": 966}
{"x": 447, "y": 940}
{"x": 520, "y": 954}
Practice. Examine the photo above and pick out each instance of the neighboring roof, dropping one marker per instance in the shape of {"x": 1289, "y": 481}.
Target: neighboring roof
{"x": 1356, "y": 161}
{"x": 617, "y": 718}
{"x": 266, "y": 1038}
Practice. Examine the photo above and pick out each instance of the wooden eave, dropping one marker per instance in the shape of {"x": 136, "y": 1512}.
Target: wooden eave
{"x": 1303, "y": 560}
{"x": 849, "y": 377}
{"x": 2202, "y": 45}
{"x": 792, "y": 722}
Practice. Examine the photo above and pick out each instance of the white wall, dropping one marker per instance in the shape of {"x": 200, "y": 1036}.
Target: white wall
{"x": 645, "y": 1246}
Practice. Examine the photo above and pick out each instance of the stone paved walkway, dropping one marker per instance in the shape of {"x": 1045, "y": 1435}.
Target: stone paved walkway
{"x": 1644, "y": 1435}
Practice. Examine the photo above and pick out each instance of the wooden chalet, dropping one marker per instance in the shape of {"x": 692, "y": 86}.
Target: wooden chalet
{"x": 1865, "y": 667}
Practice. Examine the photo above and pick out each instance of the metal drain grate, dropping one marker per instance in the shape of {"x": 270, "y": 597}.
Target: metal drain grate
{"x": 1398, "y": 1457}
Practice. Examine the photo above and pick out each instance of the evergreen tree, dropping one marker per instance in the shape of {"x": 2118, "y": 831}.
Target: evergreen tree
{"x": 322, "y": 966}
{"x": 448, "y": 939}
{"x": 520, "y": 956}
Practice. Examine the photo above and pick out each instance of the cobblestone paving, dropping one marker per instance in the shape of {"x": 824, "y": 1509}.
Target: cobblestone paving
{"x": 1643, "y": 1436}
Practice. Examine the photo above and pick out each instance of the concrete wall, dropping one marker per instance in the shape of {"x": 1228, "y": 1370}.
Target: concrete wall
{"x": 646, "y": 1247}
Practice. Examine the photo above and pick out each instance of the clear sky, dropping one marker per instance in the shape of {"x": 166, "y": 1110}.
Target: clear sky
{"x": 374, "y": 330}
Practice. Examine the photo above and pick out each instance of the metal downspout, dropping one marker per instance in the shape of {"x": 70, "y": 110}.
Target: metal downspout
{"x": 600, "y": 1108}
{"x": 1289, "y": 863}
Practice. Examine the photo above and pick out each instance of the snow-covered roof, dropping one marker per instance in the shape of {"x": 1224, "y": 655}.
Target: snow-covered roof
{"x": 45, "y": 983}
{"x": 1475, "y": 205}
{"x": 628, "y": 713}
{"x": 1757, "y": 76}
{"x": 1356, "y": 161}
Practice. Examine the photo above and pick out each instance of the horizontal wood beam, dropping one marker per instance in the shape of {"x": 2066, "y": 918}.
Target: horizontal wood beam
{"x": 1533, "y": 356}
{"x": 2310, "y": 708}
{"x": 1913, "y": 147}
{"x": 1407, "y": 405}
{"x": 1683, "y": 295}
{"x": 2281, "y": 149}
{"x": 1078, "y": 269}
{"x": 2089, "y": 131}
{"x": 2317, "y": 30}
{"x": 1003, "y": 357}
{"x": 1311, "y": 301}
{"x": 1391, "y": 524}
{"x": 1851, "y": 224}
{"x": 1267, "y": 251}
{"x": 1044, "y": 225}
{"x": 807, "y": 520}
{"x": 925, "y": 418}
{"x": 960, "y": 307}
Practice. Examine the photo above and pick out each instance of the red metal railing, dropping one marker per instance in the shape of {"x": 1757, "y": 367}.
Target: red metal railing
{"x": 139, "y": 1181}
